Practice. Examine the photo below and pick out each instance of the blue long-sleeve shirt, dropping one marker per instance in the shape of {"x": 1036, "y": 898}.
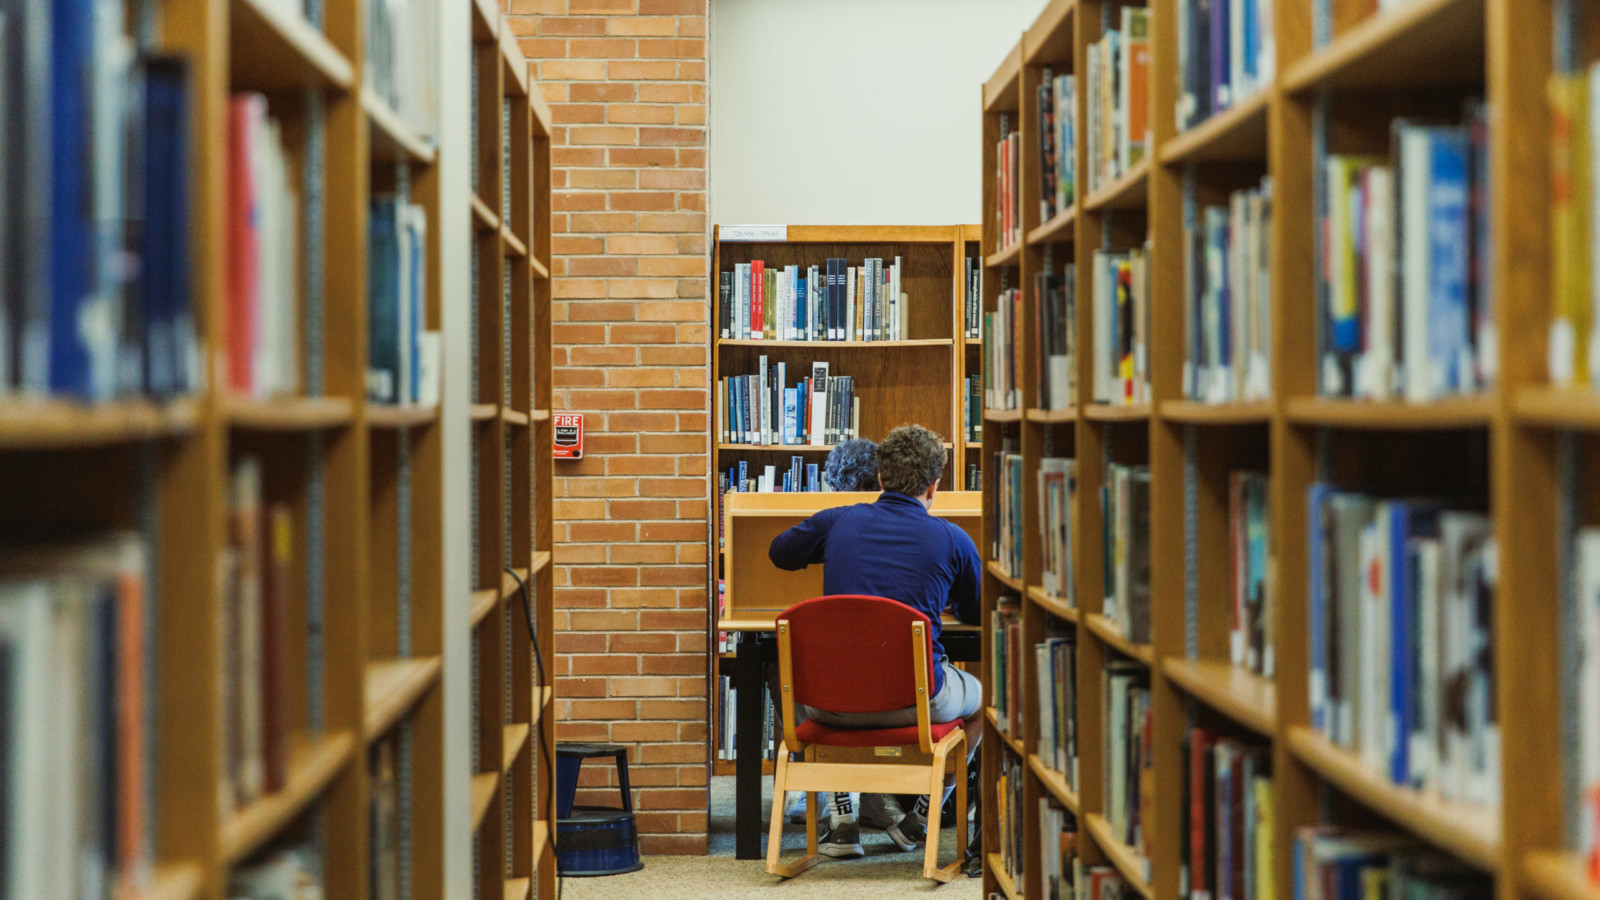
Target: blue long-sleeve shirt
{"x": 892, "y": 548}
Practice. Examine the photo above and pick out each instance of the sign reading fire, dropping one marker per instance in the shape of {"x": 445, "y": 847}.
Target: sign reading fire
{"x": 569, "y": 435}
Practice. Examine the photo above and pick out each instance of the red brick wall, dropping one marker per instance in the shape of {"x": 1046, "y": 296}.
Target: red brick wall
{"x": 626, "y": 80}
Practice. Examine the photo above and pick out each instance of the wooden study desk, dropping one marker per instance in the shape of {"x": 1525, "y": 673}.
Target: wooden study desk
{"x": 756, "y": 591}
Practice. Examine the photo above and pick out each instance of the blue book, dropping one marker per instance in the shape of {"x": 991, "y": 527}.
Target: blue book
{"x": 74, "y": 260}
{"x": 383, "y": 301}
{"x": 744, "y": 475}
{"x": 799, "y": 300}
{"x": 811, "y": 477}
{"x": 1320, "y": 531}
{"x": 791, "y": 421}
{"x": 413, "y": 341}
{"x": 1408, "y": 519}
{"x": 1221, "y": 72}
{"x": 1450, "y": 363}
{"x": 164, "y": 285}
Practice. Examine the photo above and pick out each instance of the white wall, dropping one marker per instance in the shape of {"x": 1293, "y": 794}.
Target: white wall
{"x": 853, "y": 112}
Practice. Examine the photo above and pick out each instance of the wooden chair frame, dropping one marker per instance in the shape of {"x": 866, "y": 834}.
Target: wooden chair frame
{"x": 910, "y": 769}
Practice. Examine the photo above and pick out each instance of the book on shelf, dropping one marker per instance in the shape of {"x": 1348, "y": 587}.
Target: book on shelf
{"x": 1335, "y": 862}
{"x": 728, "y": 721}
{"x": 290, "y": 872}
{"x": 383, "y": 821}
{"x": 1008, "y": 192}
{"x": 401, "y": 60}
{"x": 74, "y": 695}
{"x": 1002, "y": 352}
{"x": 1056, "y": 666}
{"x": 1121, "y": 285}
{"x": 263, "y": 308}
{"x": 1586, "y": 554}
{"x": 974, "y": 477}
{"x": 1008, "y": 519}
{"x": 1118, "y": 76}
{"x": 1227, "y": 315}
{"x": 972, "y": 296}
{"x": 1226, "y": 54}
{"x": 1130, "y": 759}
{"x": 1402, "y": 637}
{"x": 1058, "y": 850}
{"x": 1403, "y": 313}
{"x": 95, "y": 214}
{"x": 821, "y": 409}
{"x": 972, "y": 407}
{"x": 743, "y": 477}
{"x": 836, "y": 301}
{"x": 1227, "y": 847}
{"x": 1056, "y": 338}
{"x": 1250, "y": 643}
{"x": 1125, "y": 510}
{"x": 1011, "y": 811}
{"x": 256, "y": 568}
{"x": 1058, "y": 136}
{"x": 1058, "y": 486}
{"x": 402, "y": 354}
{"x": 1005, "y": 636}
{"x": 1574, "y": 348}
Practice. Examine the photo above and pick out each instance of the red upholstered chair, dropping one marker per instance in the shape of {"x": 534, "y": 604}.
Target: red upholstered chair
{"x": 852, "y": 654}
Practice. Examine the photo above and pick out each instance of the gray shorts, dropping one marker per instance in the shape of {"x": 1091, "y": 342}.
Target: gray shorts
{"x": 958, "y": 698}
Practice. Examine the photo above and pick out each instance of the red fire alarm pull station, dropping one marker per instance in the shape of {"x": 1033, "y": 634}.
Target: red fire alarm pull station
{"x": 569, "y": 435}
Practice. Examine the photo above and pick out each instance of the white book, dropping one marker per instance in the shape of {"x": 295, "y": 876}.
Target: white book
{"x": 1104, "y": 309}
{"x": 850, "y": 304}
{"x": 769, "y": 478}
{"x": 1593, "y": 124}
{"x": 819, "y": 403}
{"x": 1421, "y": 757}
{"x": 1376, "y": 380}
{"x": 763, "y": 404}
{"x": 1236, "y": 50}
{"x": 31, "y": 802}
{"x": 1415, "y": 258}
{"x": 1588, "y": 559}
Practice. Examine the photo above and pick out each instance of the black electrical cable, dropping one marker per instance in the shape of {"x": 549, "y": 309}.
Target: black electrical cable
{"x": 544, "y": 748}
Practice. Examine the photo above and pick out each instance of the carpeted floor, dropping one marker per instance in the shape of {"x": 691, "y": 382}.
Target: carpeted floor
{"x": 884, "y": 872}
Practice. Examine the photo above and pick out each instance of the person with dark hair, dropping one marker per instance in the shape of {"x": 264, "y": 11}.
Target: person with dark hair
{"x": 895, "y": 548}
{"x": 852, "y": 466}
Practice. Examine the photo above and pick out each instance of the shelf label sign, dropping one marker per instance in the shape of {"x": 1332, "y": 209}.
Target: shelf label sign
{"x": 753, "y": 233}
{"x": 569, "y": 435}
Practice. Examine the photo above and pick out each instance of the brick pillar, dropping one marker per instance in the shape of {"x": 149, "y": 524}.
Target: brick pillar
{"x": 626, "y": 80}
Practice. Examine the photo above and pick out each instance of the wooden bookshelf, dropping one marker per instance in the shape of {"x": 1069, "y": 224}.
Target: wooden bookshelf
{"x": 916, "y": 379}
{"x": 1504, "y": 446}
{"x": 509, "y": 416}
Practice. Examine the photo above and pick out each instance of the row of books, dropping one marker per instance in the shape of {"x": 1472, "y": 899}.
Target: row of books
{"x": 1122, "y": 327}
{"x": 291, "y": 872}
{"x": 401, "y": 57}
{"x": 256, "y": 568}
{"x": 1118, "y": 76}
{"x": 1404, "y": 298}
{"x": 1227, "y": 313}
{"x": 819, "y": 410}
{"x": 1226, "y": 54}
{"x": 1058, "y": 486}
{"x": 1008, "y": 795}
{"x": 1332, "y": 862}
{"x": 96, "y": 298}
{"x": 1007, "y": 512}
{"x": 798, "y": 476}
{"x": 1249, "y": 524}
{"x": 1002, "y": 352}
{"x": 1125, "y": 508}
{"x": 1008, "y": 192}
{"x": 1058, "y": 144}
{"x": 1005, "y": 663}
{"x": 1130, "y": 758}
{"x": 972, "y": 297}
{"x": 402, "y": 353}
{"x": 837, "y": 302}
{"x": 972, "y": 407}
{"x": 263, "y": 310}
{"x": 974, "y": 477}
{"x": 1058, "y": 850}
{"x": 1227, "y": 848}
{"x": 728, "y": 721}
{"x": 1056, "y": 338}
{"x": 1402, "y": 639}
{"x": 73, "y": 719}
{"x": 1056, "y": 667}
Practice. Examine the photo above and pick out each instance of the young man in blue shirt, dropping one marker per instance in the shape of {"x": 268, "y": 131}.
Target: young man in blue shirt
{"x": 895, "y": 548}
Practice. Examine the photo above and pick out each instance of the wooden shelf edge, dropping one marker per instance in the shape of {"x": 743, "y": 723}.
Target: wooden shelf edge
{"x": 838, "y": 345}
{"x": 1194, "y": 412}
{"x": 1054, "y": 782}
{"x": 993, "y": 568}
{"x": 399, "y": 142}
{"x": 540, "y": 270}
{"x": 288, "y": 413}
{"x": 1006, "y": 78}
{"x": 393, "y": 687}
{"x": 1549, "y": 406}
{"x": 1052, "y": 416}
{"x": 1235, "y": 692}
{"x": 540, "y": 415}
{"x": 381, "y": 415}
{"x": 1468, "y": 832}
{"x": 517, "y": 888}
{"x": 1110, "y": 412}
{"x": 1002, "y": 877}
{"x": 1126, "y": 192}
{"x": 55, "y": 424}
{"x": 514, "y": 417}
{"x": 488, "y": 220}
{"x": 1124, "y": 858}
{"x": 1558, "y": 875}
{"x": 252, "y": 827}
{"x": 176, "y": 881}
{"x": 1007, "y": 257}
{"x": 516, "y": 736}
{"x": 1002, "y": 415}
{"x": 483, "y": 603}
{"x": 514, "y": 244}
{"x": 483, "y": 412}
{"x": 508, "y": 583}
{"x": 1201, "y": 141}
{"x": 1056, "y": 231}
{"x": 485, "y": 787}
{"x": 1368, "y": 40}
{"x": 541, "y": 841}
{"x": 1103, "y": 628}
{"x": 1012, "y": 744}
{"x": 541, "y": 559}
{"x": 1472, "y": 411}
{"x": 1055, "y": 606}
{"x": 307, "y": 41}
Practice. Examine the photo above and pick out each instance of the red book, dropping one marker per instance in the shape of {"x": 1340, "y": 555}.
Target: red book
{"x": 246, "y": 113}
{"x": 131, "y": 693}
{"x": 1200, "y": 787}
{"x": 757, "y": 282}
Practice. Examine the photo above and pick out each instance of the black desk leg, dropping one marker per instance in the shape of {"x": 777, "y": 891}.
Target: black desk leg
{"x": 747, "y": 812}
